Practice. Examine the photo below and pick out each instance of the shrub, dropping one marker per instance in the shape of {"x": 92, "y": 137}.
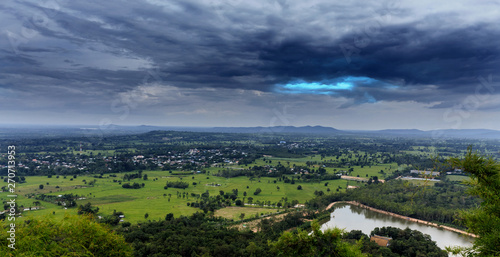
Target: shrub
{"x": 133, "y": 186}
{"x": 72, "y": 236}
{"x": 177, "y": 184}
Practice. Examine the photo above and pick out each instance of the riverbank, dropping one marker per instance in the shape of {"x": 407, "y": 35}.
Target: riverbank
{"x": 402, "y": 217}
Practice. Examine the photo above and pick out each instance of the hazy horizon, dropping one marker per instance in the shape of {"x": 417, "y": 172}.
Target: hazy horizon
{"x": 108, "y": 126}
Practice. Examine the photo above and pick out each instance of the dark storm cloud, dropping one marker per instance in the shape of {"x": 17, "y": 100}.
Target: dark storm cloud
{"x": 116, "y": 46}
{"x": 451, "y": 60}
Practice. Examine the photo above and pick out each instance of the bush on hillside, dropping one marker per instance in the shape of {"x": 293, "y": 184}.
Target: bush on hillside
{"x": 72, "y": 236}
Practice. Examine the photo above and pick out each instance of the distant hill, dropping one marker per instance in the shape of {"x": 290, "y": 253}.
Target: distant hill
{"x": 320, "y": 130}
{"x": 32, "y": 131}
{"x": 276, "y": 129}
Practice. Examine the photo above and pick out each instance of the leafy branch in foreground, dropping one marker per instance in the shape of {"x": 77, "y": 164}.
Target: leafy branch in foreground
{"x": 484, "y": 221}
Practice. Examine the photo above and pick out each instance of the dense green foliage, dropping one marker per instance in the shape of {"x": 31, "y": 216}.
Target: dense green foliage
{"x": 177, "y": 184}
{"x": 199, "y": 235}
{"x": 88, "y": 209}
{"x": 133, "y": 186}
{"x": 405, "y": 242}
{"x": 211, "y": 203}
{"x": 316, "y": 244}
{"x": 73, "y": 236}
{"x": 409, "y": 242}
{"x": 483, "y": 220}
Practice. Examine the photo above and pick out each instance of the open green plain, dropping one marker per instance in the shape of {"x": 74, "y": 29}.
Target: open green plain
{"x": 153, "y": 198}
{"x": 156, "y": 201}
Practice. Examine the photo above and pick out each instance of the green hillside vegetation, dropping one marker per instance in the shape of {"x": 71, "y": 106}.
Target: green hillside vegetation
{"x": 71, "y": 236}
{"x": 483, "y": 220}
{"x": 318, "y": 243}
{"x": 404, "y": 242}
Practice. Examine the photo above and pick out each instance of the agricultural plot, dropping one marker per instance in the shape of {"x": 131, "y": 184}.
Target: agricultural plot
{"x": 235, "y": 212}
{"x": 457, "y": 178}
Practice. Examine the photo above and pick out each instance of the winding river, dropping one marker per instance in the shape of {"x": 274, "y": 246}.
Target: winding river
{"x": 352, "y": 217}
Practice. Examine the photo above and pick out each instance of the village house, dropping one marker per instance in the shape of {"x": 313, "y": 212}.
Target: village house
{"x": 426, "y": 172}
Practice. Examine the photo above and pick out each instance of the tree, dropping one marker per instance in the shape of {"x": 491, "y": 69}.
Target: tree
{"x": 407, "y": 242}
{"x": 88, "y": 209}
{"x": 242, "y": 215}
{"x": 257, "y": 191}
{"x": 319, "y": 193}
{"x": 484, "y": 221}
{"x": 299, "y": 187}
{"x": 146, "y": 215}
{"x": 40, "y": 186}
{"x": 169, "y": 217}
{"x": 318, "y": 243}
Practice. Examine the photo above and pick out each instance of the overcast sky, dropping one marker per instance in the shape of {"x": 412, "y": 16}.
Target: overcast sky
{"x": 345, "y": 64}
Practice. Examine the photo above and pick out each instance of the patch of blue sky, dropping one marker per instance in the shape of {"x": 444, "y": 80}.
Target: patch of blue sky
{"x": 322, "y": 88}
{"x": 327, "y": 87}
{"x": 318, "y": 86}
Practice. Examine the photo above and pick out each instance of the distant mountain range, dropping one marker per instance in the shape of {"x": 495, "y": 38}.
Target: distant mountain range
{"x": 10, "y": 131}
{"x": 442, "y": 133}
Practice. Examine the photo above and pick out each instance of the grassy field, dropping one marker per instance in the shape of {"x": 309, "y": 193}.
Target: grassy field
{"x": 156, "y": 201}
{"x": 371, "y": 171}
{"x": 457, "y": 178}
{"x": 421, "y": 182}
{"x": 235, "y": 212}
{"x": 94, "y": 152}
{"x": 153, "y": 198}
